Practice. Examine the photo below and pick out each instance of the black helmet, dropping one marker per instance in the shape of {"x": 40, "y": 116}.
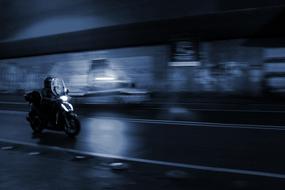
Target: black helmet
{"x": 47, "y": 82}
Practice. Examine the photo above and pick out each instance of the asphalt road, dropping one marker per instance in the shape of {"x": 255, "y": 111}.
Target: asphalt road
{"x": 244, "y": 140}
{"x": 244, "y": 147}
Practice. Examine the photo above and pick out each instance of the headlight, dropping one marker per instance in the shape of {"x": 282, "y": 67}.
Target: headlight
{"x": 64, "y": 98}
{"x": 105, "y": 78}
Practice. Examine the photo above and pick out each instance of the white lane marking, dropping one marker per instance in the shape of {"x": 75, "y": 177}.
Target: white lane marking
{"x": 190, "y": 109}
{"x": 199, "y": 124}
{"x": 227, "y": 110}
{"x": 16, "y": 103}
{"x": 238, "y": 110}
{"x": 13, "y": 112}
{"x": 181, "y": 123}
{"x": 214, "y": 103}
{"x": 155, "y": 162}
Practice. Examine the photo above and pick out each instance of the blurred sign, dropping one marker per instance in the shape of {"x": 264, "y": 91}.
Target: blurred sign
{"x": 185, "y": 53}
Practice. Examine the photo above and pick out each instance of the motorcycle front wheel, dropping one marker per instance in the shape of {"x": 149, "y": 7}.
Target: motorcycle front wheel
{"x": 72, "y": 126}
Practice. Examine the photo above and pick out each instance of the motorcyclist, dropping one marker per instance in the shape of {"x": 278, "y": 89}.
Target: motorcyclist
{"x": 48, "y": 97}
{"x": 46, "y": 92}
{"x": 50, "y": 108}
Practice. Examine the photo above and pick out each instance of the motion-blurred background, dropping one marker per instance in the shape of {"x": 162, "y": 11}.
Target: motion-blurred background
{"x": 145, "y": 47}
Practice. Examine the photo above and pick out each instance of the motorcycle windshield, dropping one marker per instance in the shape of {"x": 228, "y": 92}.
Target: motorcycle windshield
{"x": 58, "y": 87}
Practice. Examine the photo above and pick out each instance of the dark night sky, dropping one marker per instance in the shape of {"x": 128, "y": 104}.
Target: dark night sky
{"x": 32, "y": 18}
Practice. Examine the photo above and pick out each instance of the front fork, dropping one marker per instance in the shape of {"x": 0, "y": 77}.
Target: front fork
{"x": 65, "y": 111}
{"x": 57, "y": 118}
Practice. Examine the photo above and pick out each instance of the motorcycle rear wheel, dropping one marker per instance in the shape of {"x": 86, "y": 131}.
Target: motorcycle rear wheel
{"x": 36, "y": 124}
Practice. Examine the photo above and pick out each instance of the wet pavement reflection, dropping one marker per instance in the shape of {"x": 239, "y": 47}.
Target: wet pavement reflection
{"x": 231, "y": 147}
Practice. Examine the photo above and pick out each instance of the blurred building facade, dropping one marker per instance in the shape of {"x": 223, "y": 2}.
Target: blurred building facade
{"x": 226, "y": 67}
{"x": 136, "y": 40}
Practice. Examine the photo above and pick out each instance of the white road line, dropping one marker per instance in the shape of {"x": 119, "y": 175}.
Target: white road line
{"x": 190, "y": 109}
{"x": 13, "y": 112}
{"x": 16, "y": 103}
{"x": 199, "y": 124}
{"x": 238, "y": 110}
{"x": 226, "y": 110}
{"x": 155, "y": 162}
{"x": 215, "y": 103}
{"x": 181, "y": 123}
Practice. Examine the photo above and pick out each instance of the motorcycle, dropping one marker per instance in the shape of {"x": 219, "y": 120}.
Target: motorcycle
{"x": 64, "y": 119}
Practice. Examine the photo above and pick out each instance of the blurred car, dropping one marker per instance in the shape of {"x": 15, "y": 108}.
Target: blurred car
{"x": 108, "y": 86}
